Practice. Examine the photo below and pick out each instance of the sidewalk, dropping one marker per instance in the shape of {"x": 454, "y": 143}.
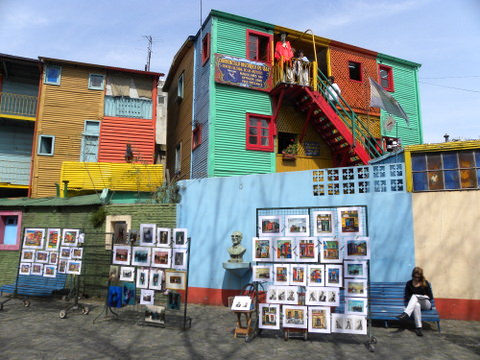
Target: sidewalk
{"x": 38, "y": 332}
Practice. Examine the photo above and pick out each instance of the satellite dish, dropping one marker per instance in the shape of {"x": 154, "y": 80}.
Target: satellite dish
{"x": 389, "y": 123}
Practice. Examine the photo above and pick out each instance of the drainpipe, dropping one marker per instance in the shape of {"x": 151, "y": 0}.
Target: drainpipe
{"x": 65, "y": 188}
{"x": 57, "y": 188}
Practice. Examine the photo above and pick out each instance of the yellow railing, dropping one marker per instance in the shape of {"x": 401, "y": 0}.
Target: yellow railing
{"x": 114, "y": 176}
{"x": 18, "y": 105}
{"x": 295, "y": 71}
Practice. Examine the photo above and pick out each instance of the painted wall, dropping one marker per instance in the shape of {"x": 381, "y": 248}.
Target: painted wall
{"x": 16, "y": 139}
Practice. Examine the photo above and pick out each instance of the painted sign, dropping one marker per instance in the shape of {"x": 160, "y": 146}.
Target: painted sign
{"x": 243, "y": 72}
{"x": 312, "y": 148}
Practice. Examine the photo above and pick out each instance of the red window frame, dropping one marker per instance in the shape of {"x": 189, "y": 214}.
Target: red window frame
{"x": 255, "y": 131}
{"x": 17, "y": 244}
{"x": 253, "y": 37}
{"x": 360, "y": 66}
{"x": 389, "y": 78}
{"x": 197, "y": 137}
{"x": 205, "y": 48}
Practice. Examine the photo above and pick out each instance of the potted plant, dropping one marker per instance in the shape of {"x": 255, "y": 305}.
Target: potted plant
{"x": 290, "y": 152}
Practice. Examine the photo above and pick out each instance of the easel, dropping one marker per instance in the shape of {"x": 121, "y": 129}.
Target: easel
{"x": 240, "y": 329}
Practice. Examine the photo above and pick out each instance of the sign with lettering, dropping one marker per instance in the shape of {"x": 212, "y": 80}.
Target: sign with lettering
{"x": 243, "y": 72}
{"x": 312, "y": 148}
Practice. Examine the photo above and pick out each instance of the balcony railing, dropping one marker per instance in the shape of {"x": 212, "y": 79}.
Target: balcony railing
{"x": 15, "y": 172}
{"x": 18, "y": 105}
{"x": 126, "y": 107}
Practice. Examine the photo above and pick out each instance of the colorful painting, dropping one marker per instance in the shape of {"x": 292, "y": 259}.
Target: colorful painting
{"x": 121, "y": 255}
{"x": 62, "y": 266}
{"x": 74, "y": 267}
{"x": 319, "y": 319}
{"x": 356, "y": 287}
{"x": 65, "y": 252}
{"x": 28, "y": 256}
{"x": 355, "y": 269}
{"x": 357, "y": 248}
{"x": 262, "y": 249}
{"x": 333, "y": 275}
{"x": 316, "y": 275}
{"x": 53, "y": 239}
{"x": 297, "y": 225}
{"x": 128, "y": 294}
{"x": 53, "y": 258}
{"x": 262, "y": 273}
{"x": 41, "y": 256}
{"x": 307, "y": 249}
{"x": 25, "y": 268}
{"x": 350, "y": 220}
{"x": 36, "y": 269}
{"x": 298, "y": 275}
{"x": 323, "y": 223}
{"x": 295, "y": 316}
{"x": 33, "y": 238}
{"x": 270, "y": 225}
{"x": 77, "y": 253}
{"x": 269, "y": 316}
{"x": 281, "y": 274}
{"x": 161, "y": 258}
{"x": 331, "y": 250}
{"x": 70, "y": 237}
{"x": 50, "y": 271}
{"x": 284, "y": 249}
{"x": 356, "y": 306}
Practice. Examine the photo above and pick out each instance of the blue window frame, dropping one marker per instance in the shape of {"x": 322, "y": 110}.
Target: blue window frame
{"x": 46, "y": 145}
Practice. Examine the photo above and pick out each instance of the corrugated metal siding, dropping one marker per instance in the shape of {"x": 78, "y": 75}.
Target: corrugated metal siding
{"x": 406, "y": 93}
{"x": 116, "y": 133}
{"x": 128, "y": 107}
{"x": 15, "y": 154}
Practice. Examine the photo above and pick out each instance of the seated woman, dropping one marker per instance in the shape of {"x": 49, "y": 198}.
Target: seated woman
{"x": 418, "y": 294}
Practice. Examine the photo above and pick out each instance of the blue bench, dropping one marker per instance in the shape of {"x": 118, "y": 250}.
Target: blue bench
{"x": 387, "y": 302}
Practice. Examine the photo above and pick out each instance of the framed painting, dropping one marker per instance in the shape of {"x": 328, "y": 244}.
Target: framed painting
{"x": 179, "y": 259}
{"x": 155, "y": 281}
{"x": 141, "y": 256}
{"x": 129, "y": 294}
{"x": 121, "y": 255}
{"x": 323, "y": 224}
{"x": 161, "y": 258}
{"x": 25, "y": 268}
{"x": 356, "y": 287}
{"x": 357, "y": 248}
{"x": 53, "y": 239}
{"x": 269, "y": 316}
{"x": 148, "y": 234}
{"x": 142, "y": 278}
{"x": 294, "y": 316}
{"x": 62, "y": 266}
{"x": 316, "y": 275}
{"x": 331, "y": 250}
{"x": 297, "y": 225}
{"x": 270, "y": 225}
{"x": 356, "y": 306}
{"x": 241, "y": 303}
{"x": 307, "y": 250}
{"x": 333, "y": 275}
{"x": 180, "y": 238}
{"x": 350, "y": 220}
{"x": 175, "y": 280}
{"x": 262, "y": 273}
{"x": 41, "y": 257}
{"x": 36, "y": 269}
{"x": 327, "y": 296}
{"x": 70, "y": 237}
{"x": 127, "y": 273}
{"x": 281, "y": 274}
{"x": 163, "y": 237}
{"x": 147, "y": 297}
{"x": 114, "y": 296}
{"x": 282, "y": 295}
{"x": 155, "y": 314}
{"x": 77, "y": 253}
{"x": 65, "y": 252}
{"x": 53, "y": 258}
{"x": 27, "y": 256}
{"x": 355, "y": 269}
{"x": 338, "y": 321}
{"x": 74, "y": 267}
{"x": 33, "y": 238}
{"x": 354, "y": 324}
{"x": 262, "y": 249}
{"x": 298, "y": 274}
{"x": 50, "y": 271}
{"x": 284, "y": 249}
{"x": 319, "y": 319}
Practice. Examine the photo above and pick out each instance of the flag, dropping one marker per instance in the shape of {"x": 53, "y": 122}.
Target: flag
{"x": 382, "y": 99}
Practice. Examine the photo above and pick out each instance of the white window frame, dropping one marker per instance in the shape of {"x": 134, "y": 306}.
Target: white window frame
{"x": 45, "y": 79}
{"x": 40, "y": 138}
{"x": 93, "y": 87}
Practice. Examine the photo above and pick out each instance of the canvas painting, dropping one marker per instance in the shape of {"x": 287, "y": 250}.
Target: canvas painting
{"x": 114, "y": 273}
{"x": 350, "y": 220}
{"x": 284, "y": 249}
{"x": 179, "y": 259}
{"x": 338, "y": 321}
{"x": 147, "y": 297}
{"x": 53, "y": 239}
{"x": 74, "y": 267}
{"x": 163, "y": 237}
{"x": 33, "y": 238}
{"x": 141, "y": 256}
{"x": 161, "y": 257}
{"x": 241, "y": 303}
{"x": 65, "y": 252}
{"x": 155, "y": 314}
{"x": 295, "y": 316}
{"x": 25, "y": 268}
{"x": 355, "y": 269}
{"x": 357, "y": 248}
{"x": 356, "y": 306}
{"x": 180, "y": 238}
{"x": 298, "y": 275}
{"x": 62, "y": 266}
{"x": 262, "y": 273}
{"x": 281, "y": 274}
{"x": 269, "y": 316}
{"x": 155, "y": 281}
{"x": 319, "y": 319}
{"x": 28, "y": 256}
{"x": 53, "y": 258}
{"x": 127, "y": 273}
{"x": 70, "y": 237}
{"x": 114, "y": 296}
{"x": 128, "y": 294}
{"x": 270, "y": 225}
{"x": 333, "y": 275}
{"x": 282, "y": 295}
{"x": 328, "y": 296}
{"x": 147, "y": 234}
{"x": 307, "y": 249}
{"x": 41, "y": 257}
{"x": 331, "y": 250}
{"x": 262, "y": 249}
{"x": 77, "y": 253}
{"x": 316, "y": 275}
{"x": 323, "y": 223}
{"x": 297, "y": 225}
{"x": 355, "y": 325}
{"x": 142, "y": 278}
{"x": 175, "y": 280}
{"x": 356, "y": 287}
{"x": 120, "y": 232}
{"x": 50, "y": 271}
{"x": 121, "y": 255}
{"x": 36, "y": 269}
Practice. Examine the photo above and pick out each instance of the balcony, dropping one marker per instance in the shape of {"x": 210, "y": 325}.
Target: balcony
{"x": 18, "y": 106}
{"x": 114, "y": 176}
{"x": 125, "y": 107}
{"x": 14, "y": 172}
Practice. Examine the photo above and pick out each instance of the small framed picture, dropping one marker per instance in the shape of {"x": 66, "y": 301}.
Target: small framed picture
{"x": 323, "y": 223}
{"x": 350, "y": 220}
{"x": 41, "y": 257}
{"x": 28, "y": 256}
{"x": 180, "y": 238}
{"x": 33, "y": 238}
{"x": 141, "y": 256}
{"x": 129, "y": 293}
{"x": 316, "y": 275}
{"x": 155, "y": 314}
{"x": 161, "y": 258}
{"x": 327, "y": 296}
{"x": 357, "y": 248}
{"x": 50, "y": 271}
{"x": 333, "y": 275}
{"x": 53, "y": 239}
{"x": 114, "y": 273}
{"x": 355, "y": 269}
{"x": 356, "y": 306}
{"x": 25, "y": 268}
{"x": 319, "y": 319}
{"x": 331, "y": 250}
{"x": 262, "y": 249}
{"x": 163, "y": 237}
{"x": 121, "y": 255}
{"x": 156, "y": 278}
{"x": 175, "y": 280}
{"x": 282, "y": 295}
{"x": 142, "y": 278}
{"x": 62, "y": 266}
{"x": 297, "y": 225}
{"x": 270, "y": 225}
{"x": 65, "y": 252}
{"x": 281, "y": 274}
{"x": 354, "y": 324}
{"x": 53, "y": 258}
{"x": 147, "y": 234}
{"x": 284, "y": 249}
{"x": 269, "y": 316}
{"x": 298, "y": 274}
{"x": 77, "y": 253}
{"x": 36, "y": 269}
{"x": 306, "y": 248}
{"x": 356, "y": 287}
{"x": 294, "y": 316}
{"x": 147, "y": 297}
{"x": 262, "y": 273}
{"x": 70, "y": 237}
{"x": 179, "y": 259}
{"x": 241, "y": 303}
{"x": 74, "y": 267}
{"x": 338, "y": 321}
{"x": 127, "y": 273}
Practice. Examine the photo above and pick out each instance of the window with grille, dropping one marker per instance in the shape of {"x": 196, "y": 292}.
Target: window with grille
{"x": 259, "y": 46}
{"x": 259, "y": 132}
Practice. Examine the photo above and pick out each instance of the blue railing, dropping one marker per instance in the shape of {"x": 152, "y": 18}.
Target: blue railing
{"x": 17, "y": 104}
{"x": 15, "y": 171}
{"x": 118, "y": 106}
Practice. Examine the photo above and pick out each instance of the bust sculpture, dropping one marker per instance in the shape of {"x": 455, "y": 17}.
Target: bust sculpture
{"x": 236, "y": 251}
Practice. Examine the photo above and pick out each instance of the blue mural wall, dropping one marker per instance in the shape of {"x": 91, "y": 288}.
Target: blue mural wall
{"x": 213, "y": 208}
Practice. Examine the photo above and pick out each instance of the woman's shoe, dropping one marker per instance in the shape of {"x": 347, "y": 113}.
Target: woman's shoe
{"x": 418, "y": 331}
{"x": 402, "y": 316}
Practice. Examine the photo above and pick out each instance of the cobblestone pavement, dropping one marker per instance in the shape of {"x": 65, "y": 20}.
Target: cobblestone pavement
{"x": 37, "y": 332}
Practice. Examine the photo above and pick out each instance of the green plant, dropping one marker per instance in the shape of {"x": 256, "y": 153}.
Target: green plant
{"x": 291, "y": 149}
{"x": 98, "y": 217}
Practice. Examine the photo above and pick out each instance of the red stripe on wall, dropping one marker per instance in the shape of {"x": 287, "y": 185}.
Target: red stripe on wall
{"x": 458, "y": 309}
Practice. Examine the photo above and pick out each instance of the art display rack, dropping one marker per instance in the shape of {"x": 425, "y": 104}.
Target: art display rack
{"x": 309, "y": 211}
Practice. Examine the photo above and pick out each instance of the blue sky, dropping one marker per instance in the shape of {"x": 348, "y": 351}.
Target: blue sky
{"x": 443, "y": 36}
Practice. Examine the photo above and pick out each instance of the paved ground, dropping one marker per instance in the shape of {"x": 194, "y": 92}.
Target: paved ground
{"x": 38, "y": 332}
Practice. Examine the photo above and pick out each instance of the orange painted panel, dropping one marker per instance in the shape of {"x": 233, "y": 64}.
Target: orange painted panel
{"x": 458, "y": 309}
